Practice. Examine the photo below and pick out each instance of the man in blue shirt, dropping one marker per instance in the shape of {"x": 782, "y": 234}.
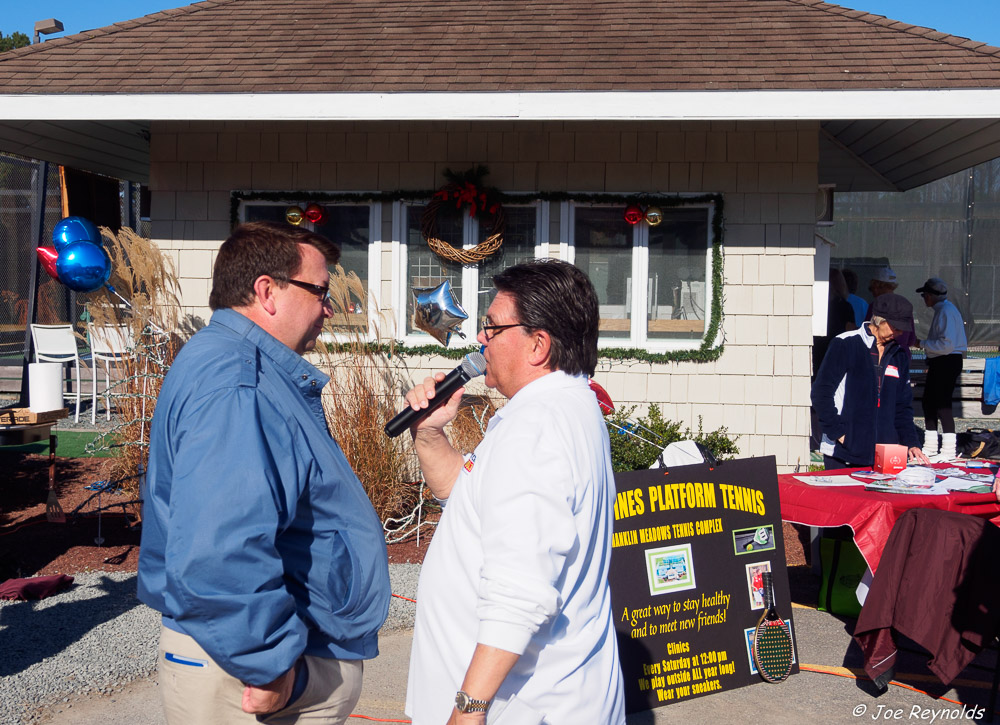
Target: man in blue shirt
{"x": 259, "y": 545}
{"x": 945, "y": 346}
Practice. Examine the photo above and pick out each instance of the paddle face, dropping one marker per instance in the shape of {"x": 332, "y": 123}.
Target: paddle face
{"x": 772, "y": 643}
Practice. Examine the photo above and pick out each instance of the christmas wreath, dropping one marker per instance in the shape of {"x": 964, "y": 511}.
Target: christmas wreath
{"x": 463, "y": 189}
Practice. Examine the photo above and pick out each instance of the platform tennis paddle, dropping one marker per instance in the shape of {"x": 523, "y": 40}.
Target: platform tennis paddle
{"x": 772, "y": 643}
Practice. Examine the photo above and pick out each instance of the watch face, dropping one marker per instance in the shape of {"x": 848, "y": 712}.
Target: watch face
{"x": 464, "y": 703}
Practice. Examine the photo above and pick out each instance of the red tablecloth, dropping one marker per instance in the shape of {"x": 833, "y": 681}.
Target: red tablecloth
{"x": 870, "y": 514}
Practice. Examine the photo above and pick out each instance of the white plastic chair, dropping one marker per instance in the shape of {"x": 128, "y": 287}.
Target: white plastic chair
{"x": 57, "y": 343}
{"x": 109, "y": 345}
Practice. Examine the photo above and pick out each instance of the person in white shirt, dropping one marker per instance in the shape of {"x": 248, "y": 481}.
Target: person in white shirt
{"x": 513, "y": 605}
{"x": 945, "y": 346}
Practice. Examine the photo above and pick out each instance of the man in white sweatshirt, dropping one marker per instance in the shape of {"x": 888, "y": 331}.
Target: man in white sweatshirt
{"x": 514, "y": 610}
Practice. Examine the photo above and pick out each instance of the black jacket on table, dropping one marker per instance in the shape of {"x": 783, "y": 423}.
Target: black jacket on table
{"x": 863, "y": 399}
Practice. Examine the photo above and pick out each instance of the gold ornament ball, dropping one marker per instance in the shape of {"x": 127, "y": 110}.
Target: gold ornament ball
{"x": 654, "y": 216}
{"x": 294, "y": 215}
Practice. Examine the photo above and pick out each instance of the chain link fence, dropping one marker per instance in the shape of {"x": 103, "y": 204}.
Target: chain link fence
{"x": 30, "y": 207}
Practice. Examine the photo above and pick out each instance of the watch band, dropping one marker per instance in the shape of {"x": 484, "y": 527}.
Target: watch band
{"x": 464, "y": 703}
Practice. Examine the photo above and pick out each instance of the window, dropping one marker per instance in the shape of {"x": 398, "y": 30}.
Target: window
{"x": 351, "y": 226}
{"x": 471, "y": 284}
{"x": 670, "y": 304}
{"x": 654, "y": 283}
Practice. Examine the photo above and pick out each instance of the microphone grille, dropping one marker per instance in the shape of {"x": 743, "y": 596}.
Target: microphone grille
{"x": 474, "y": 364}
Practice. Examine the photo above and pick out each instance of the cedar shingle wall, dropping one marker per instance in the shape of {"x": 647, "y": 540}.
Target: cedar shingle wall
{"x": 767, "y": 171}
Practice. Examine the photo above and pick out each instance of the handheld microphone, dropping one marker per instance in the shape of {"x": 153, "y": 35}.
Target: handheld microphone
{"x": 473, "y": 365}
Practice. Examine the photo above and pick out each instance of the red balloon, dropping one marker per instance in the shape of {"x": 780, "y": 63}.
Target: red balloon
{"x": 603, "y": 399}
{"x": 48, "y": 256}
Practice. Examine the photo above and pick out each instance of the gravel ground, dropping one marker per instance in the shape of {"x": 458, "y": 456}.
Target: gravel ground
{"x": 96, "y": 637}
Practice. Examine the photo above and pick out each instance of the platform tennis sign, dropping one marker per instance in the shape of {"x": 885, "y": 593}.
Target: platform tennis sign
{"x": 690, "y": 548}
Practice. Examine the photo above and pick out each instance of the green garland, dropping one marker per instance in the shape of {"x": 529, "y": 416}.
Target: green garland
{"x": 707, "y": 352}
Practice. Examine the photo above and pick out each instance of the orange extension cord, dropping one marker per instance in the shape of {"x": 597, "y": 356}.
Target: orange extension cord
{"x": 850, "y": 674}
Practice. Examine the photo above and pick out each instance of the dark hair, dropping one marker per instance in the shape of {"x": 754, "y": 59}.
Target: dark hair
{"x": 259, "y": 248}
{"x": 851, "y": 277}
{"x": 556, "y": 297}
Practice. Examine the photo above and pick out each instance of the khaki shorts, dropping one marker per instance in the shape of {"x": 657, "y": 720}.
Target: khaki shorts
{"x": 196, "y": 691}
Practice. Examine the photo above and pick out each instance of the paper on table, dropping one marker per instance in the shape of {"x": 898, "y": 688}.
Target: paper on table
{"x": 838, "y": 480}
{"x": 964, "y": 484}
{"x": 898, "y": 486}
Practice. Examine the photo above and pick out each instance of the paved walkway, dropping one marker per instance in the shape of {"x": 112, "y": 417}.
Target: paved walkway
{"x": 826, "y": 698}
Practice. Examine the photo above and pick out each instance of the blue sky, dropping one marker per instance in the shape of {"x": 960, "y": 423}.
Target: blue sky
{"x": 976, "y": 19}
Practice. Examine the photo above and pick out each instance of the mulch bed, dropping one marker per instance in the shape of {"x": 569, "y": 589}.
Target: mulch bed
{"x": 30, "y": 545}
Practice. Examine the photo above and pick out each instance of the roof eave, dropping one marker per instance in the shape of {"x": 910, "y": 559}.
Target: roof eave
{"x": 648, "y": 105}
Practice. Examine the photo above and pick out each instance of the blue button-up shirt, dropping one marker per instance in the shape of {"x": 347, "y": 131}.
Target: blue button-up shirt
{"x": 258, "y": 540}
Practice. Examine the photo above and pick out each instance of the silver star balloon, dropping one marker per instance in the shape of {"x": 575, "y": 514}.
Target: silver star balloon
{"x": 437, "y": 312}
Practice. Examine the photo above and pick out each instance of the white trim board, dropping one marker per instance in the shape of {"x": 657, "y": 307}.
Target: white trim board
{"x": 637, "y": 106}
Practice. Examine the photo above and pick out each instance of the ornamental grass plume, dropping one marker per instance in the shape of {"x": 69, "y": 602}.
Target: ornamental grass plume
{"x": 364, "y": 394}
{"x": 137, "y": 314}
{"x": 362, "y": 397}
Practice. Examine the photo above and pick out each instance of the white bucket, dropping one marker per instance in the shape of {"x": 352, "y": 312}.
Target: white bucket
{"x": 45, "y": 387}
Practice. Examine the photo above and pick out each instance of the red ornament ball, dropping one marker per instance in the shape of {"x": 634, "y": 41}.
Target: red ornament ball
{"x": 315, "y": 213}
{"x": 633, "y": 214}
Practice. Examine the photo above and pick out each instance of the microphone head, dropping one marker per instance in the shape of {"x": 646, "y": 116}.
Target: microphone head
{"x": 474, "y": 364}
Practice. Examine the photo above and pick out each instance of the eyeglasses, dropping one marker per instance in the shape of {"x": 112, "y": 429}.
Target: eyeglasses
{"x": 317, "y": 289}
{"x": 491, "y": 331}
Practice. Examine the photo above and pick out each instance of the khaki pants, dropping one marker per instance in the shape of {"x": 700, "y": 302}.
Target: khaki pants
{"x": 202, "y": 693}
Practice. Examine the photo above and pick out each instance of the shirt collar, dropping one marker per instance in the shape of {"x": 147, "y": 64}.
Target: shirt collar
{"x": 541, "y": 387}
{"x": 297, "y": 367}
{"x": 866, "y": 334}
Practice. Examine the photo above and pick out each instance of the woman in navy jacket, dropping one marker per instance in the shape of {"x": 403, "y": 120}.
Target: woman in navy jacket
{"x": 862, "y": 392}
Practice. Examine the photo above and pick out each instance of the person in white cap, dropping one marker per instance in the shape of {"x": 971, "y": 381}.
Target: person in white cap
{"x": 885, "y": 282}
{"x": 945, "y": 346}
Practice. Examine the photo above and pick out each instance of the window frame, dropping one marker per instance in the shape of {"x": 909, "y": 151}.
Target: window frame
{"x": 470, "y": 301}
{"x": 374, "y": 259}
{"x": 638, "y": 329}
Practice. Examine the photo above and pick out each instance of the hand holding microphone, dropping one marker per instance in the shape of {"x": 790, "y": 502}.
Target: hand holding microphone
{"x": 472, "y": 365}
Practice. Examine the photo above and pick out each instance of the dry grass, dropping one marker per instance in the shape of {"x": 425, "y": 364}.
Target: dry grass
{"x": 364, "y": 394}
{"x": 145, "y": 278}
{"x": 362, "y": 397}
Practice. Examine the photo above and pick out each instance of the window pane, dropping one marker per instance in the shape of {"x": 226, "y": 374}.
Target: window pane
{"x": 603, "y": 241}
{"x": 265, "y": 213}
{"x": 518, "y": 246}
{"x": 426, "y": 269}
{"x": 347, "y": 226}
{"x": 677, "y": 290}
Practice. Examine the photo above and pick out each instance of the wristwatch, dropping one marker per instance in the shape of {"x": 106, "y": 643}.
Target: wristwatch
{"x": 464, "y": 703}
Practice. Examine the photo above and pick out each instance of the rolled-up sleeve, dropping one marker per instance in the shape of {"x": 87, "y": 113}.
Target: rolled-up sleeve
{"x": 528, "y": 532}
{"x": 224, "y": 576}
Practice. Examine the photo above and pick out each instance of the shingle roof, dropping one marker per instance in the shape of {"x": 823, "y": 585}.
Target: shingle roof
{"x": 357, "y": 46}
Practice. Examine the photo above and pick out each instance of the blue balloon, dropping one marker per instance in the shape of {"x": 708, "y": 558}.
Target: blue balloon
{"x": 74, "y": 229}
{"x": 83, "y": 266}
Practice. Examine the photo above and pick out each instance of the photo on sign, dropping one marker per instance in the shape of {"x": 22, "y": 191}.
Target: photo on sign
{"x": 749, "y": 634}
{"x": 749, "y": 541}
{"x": 670, "y": 569}
{"x": 755, "y": 583}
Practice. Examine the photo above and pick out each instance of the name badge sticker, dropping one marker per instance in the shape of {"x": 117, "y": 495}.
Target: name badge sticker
{"x": 892, "y": 371}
